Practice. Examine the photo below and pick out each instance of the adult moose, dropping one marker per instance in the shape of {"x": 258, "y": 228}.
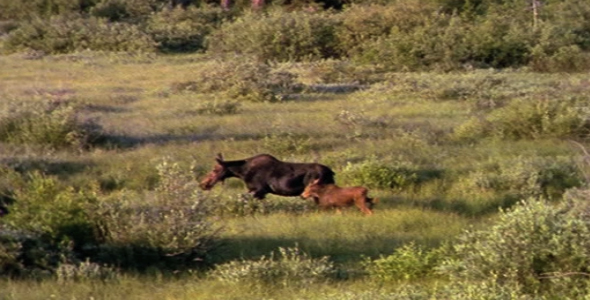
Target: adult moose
{"x": 264, "y": 174}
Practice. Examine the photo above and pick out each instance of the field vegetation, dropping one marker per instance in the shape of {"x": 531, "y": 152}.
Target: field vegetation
{"x": 468, "y": 120}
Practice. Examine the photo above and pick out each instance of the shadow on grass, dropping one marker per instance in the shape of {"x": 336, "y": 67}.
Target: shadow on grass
{"x": 61, "y": 169}
{"x": 340, "y": 251}
{"x": 130, "y": 142}
{"x": 461, "y": 207}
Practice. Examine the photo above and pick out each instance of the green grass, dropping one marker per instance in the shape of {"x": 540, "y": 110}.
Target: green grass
{"x": 404, "y": 119}
{"x": 345, "y": 238}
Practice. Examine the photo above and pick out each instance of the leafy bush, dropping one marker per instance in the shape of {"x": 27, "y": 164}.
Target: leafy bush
{"x": 287, "y": 143}
{"x": 183, "y": 30}
{"x": 65, "y": 34}
{"x": 359, "y": 125}
{"x": 84, "y": 271}
{"x": 216, "y": 107}
{"x": 538, "y": 118}
{"x": 52, "y": 212}
{"x": 409, "y": 262}
{"x": 534, "y": 245}
{"x": 362, "y": 24}
{"x": 168, "y": 227}
{"x": 245, "y": 205}
{"x": 241, "y": 79}
{"x": 134, "y": 11}
{"x": 431, "y": 45}
{"x": 52, "y": 124}
{"x": 291, "y": 267}
{"x": 277, "y": 36}
{"x": 27, "y": 254}
{"x": 374, "y": 173}
{"x": 22, "y": 10}
{"x": 501, "y": 183}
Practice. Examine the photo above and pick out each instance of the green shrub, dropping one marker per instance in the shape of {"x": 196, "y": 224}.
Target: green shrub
{"x": 359, "y": 125}
{"x": 84, "y": 271}
{"x": 409, "y": 262}
{"x": 27, "y": 255}
{"x": 65, "y": 34}
{"x": 219, "y": 108}
{"x": 291, "y": 267}
{"x": 245, "y": 205}
{"x": 134, "y": 11}
{"x": 539, "y": 118}
{"x": 51, "y": 124}
{"x": 277, "y": 36}
{"x": 21, "y": 10}
{"x": 501, "y": 183}
{"x": 287, "y": 143}
{"x": 365, "y": 23}
{"x": 374, "y": 173}
{"x": 168, "y": 227}
{"x": 335, "y": 71}
{"x": 535, "y": 245}
{"x": 498, "y": 40}
{"x": 183, "y": 30}
{"x": 55, "y": 213}
{"x": 241, "y": 79}
{"x": 433, "y": 44}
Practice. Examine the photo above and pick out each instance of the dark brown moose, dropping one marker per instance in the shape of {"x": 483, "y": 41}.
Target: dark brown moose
{"x": 333, "y": 196}
{"x": 264, "y": 174}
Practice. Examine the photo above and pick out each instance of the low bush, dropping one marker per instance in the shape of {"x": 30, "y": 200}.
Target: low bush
{"x": 291, "y": 267}
{"x": 277, "y": 36}
{"x": 376, "y": 174}
{"x": 245, "y": 205}
{"x": 133, "y": 11}
{"x": 217, "y": 107}
{"x": 502, "y": 183}
{"x": 52, "y": 124}
{"x": 70, "y": 33}
{"x": 85, "y": 271}
{"x": 363, "y": 24}
{"x": 241, "y": 79}
{"x": 25, "y": 254}
{"x": 52, "y": 212}
{"x": 287, "y": 143}
{"x": 530, "y": 118}
{"x": 168, "y": 227}
{"x": 541, "y": 247}
{"x": 538, "y": 118}
{"x": 409, "y": 262}
{"x": 183, "y": 30}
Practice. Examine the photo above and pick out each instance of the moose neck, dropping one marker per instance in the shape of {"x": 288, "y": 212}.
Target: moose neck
{"x": 236, "y": 167}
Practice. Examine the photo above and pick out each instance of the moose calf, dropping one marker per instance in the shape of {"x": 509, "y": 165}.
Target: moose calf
{"x": 333, "y": 196}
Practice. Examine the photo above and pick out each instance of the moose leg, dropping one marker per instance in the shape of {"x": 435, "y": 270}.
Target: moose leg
{"x": 258, "y": 193}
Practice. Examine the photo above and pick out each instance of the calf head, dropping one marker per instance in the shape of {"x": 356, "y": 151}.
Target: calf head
{"x": 219, "y": 173}
{"x": 312, "y": 189}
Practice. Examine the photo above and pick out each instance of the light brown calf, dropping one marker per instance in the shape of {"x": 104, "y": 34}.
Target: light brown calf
{"x": 333, "y": 196}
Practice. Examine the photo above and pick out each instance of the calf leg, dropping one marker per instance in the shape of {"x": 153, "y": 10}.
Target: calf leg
{"x": 362, "y": 205}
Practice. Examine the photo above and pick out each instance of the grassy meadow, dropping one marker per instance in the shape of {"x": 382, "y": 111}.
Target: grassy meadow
{"x": 443, "y": 152}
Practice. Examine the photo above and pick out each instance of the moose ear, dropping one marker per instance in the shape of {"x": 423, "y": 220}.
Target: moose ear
{"x": 219, "y": 158}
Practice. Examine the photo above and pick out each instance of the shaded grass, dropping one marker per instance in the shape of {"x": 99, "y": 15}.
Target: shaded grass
{"x": 344, "y": 238}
